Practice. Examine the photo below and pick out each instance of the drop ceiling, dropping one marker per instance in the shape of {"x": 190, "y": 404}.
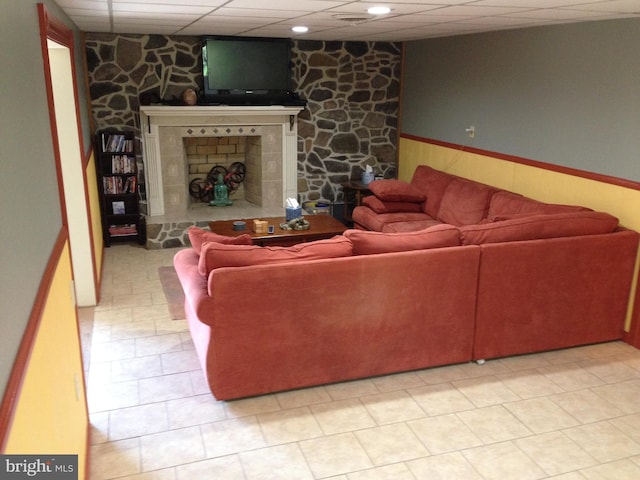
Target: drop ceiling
{"x": 335, "y": 19}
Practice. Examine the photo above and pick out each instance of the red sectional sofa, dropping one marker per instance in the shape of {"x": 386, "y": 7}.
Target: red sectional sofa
{"x": 456, "y": 271}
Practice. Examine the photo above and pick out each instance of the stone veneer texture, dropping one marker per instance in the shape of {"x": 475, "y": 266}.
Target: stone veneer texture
{"x": 352, "y": 89}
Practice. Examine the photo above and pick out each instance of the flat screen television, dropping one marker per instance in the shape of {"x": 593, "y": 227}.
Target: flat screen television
{"x": 246, "y": 70}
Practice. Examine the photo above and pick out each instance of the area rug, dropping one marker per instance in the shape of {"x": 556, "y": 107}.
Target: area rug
{"x": 172, "y": 292}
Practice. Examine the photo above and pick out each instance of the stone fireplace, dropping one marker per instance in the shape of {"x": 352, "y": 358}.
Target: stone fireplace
{"x": 268, "y": 133}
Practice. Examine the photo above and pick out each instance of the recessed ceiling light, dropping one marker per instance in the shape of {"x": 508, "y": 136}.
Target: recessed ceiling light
{"x": 300, "y": 29}
{"x": 380, "y": 10}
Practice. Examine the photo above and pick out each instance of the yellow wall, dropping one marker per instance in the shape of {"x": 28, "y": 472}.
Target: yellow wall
{"x": 539, "y": 183}
{"x": 51, "y": 411}
{"x": 94, "y": 212}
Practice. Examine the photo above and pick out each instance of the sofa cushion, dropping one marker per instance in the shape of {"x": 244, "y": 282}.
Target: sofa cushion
{"x": 410, "y": 225}
{"x": 216, "y": 255}
{"x": 534, "y": 227}
{"x": 198, "y": 236}
{"x": 381, "y": 206}
{"x": 365, "y": 242}
{"x": 506, "y": 203}
{"x": 376, "y": 221}
{"x": 391, "y": 190}
{"x": 465, "y": 202}
{"x": 432, "y": 183}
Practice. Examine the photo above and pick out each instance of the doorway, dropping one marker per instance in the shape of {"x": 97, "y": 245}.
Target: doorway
{"x": 68, "y": 150}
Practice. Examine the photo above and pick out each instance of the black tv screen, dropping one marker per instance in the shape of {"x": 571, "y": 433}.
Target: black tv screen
{"x": 239, "y": 68}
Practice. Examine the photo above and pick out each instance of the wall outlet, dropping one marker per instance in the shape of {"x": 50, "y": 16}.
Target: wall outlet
{"x": 471, "y": 131}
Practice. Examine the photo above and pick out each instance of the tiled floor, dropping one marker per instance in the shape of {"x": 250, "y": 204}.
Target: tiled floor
{"x": 571, "y": 414}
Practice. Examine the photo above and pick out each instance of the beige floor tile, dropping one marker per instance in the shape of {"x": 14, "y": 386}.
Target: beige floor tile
{"x": 252, "y": 406}
{"x": 124, "y": 331}
{"x": 135, "y": 368}
{"x": 158, "y": 344}
{"x": 445, "y": 433}
{"x": 232, "y": 436}
{"x": 303, "y": 397}
{"x": 109, "y": 396}
{"x": 391, "y": 444}
{"x": 392, "y": 407}
{"x": 137, "y": 421}
{"x": 541, "y": 415}
{"x": 199, "y": 383}
{"x": 555, "y": 453}
{"x": 586, "y": 406}
{"x": 485, "y": 391}
{"x": 503, "y": 461}
{"x": 529, "y": 383}
{"x": 440, "y": 399}
{"x": 629, "y": 424}
{"x": 449, "y": 466}
{"x": 166, "y": 325}
{"x": 152, "y": 313}
{"x": 623, "y": 395}
{"x": 570, "y": 377}
{"x": 618, "y": 470}
{"x": 399, "y": 381}
{"x": 283, "y": 462}
{"x": 610, "y": 369}
{"x": 606, "y": 349}
{"x": 196, "y": 410}
{"x": 113, "y": 316}
{"x": 494, "y": 424}
{"x": 566, "y": 355}
{"x": 287, "y": 426}
{"x": 356, "y": 388}
{"x": 603, "y": 441}
{"x": 167, "y": 449}
{"x": 133, "y": 300}
{"x": 165, "y": 387}
{"x": 99, "y": 425}
{"x": 396, "y": 471}
{"x": 526, "y": 362}
{"x": 342, "y": 416}
{"x": 444, "y": 374}
{"x": 335, "y": 455}
{"x": 227, "y": 468}
{"x": 164, "y": 474}
{"x": 570, "y": 476}
{"x": 115, "y": 459}
{"x": 177, "y": 362}
{"x": 109, "y": 351}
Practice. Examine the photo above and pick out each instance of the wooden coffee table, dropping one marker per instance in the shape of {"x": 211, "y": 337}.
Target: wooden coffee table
{"x": 320, "y": 227}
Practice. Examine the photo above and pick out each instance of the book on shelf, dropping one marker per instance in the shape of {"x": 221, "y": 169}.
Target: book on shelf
{"x": 118, "y": 208}
{"x": 116, "y": 142}
{"x": 123, "y": 164}
{"x": 122, "y": 230}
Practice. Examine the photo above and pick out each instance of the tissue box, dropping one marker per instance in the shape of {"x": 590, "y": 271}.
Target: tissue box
{"x": 367, "y": 177}
{"x": 291, "y": 213}
{"x": 260, "y": 226}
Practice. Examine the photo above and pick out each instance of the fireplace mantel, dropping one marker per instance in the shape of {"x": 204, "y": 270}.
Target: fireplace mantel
{"x": 154, "y": 118}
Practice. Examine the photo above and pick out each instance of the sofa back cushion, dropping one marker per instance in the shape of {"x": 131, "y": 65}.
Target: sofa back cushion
{"x": 382, "y": 206}
{"x": 366, "y": 242}
{"x": 522, "y": 227}
{"x": 198, "y": 236}
{"x": 507, "y": 203}
{"x": 432, "y": 183}
{"x": 465, "y": 202}
{"x": 216, "y": 255}
{"x": 390, "y": 190}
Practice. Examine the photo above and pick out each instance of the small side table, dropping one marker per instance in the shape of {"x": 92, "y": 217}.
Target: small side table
{"x": 358, "y": 191}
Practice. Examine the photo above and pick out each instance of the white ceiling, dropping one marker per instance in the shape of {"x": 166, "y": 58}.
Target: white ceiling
{"x": 335, "y": 19}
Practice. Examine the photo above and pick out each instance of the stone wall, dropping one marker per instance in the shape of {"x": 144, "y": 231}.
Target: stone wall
{"x": 352, "y": 90}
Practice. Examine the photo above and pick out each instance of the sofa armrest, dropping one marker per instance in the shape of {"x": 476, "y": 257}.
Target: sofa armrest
{"x": 194, "y": 285}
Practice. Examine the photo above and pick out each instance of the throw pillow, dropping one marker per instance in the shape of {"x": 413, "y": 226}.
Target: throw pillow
{"x": 366, "y": 242}
{"x": 198, "y": 236}
{"x": 534, "y": 227}
{"x": 391, "y": 190}
{"x": 216, "y": 255}
{"x": 380, "y": 206}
